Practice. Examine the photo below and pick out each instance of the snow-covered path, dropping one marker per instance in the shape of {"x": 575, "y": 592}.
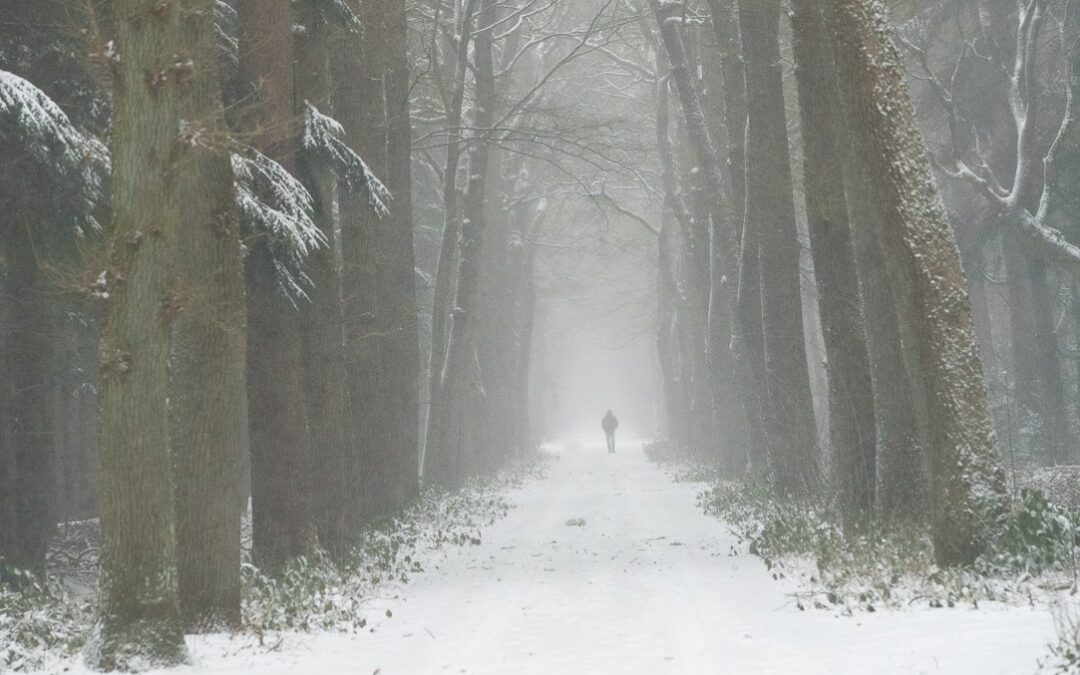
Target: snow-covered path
{"x": 646, "y": 585}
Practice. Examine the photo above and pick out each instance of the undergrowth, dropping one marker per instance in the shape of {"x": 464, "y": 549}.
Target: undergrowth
{"x": 1034, "y": 555}
{"x": 44, "y": 623}
{"x": 1065, "y": 650}
{"x": 39, "y": 621}
{"x": 318, "y": 593}
{"x": 864, "y": 571}
{"x": 684, "y": 466}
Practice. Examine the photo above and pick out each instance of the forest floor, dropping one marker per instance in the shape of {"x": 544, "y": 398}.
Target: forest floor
{"x": 608, "y": 566}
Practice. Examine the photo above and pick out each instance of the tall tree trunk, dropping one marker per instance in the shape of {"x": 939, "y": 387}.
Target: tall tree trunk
{"x": 87, "y": 426}
{"x": 9, "y": 542}
{"x": 459, "y": 388}
{"x": 444, "y": 273}
{"x": 500, "y": 272}
{"x": 851, "y": 399}
{"x": 282, "y": 526}
{"x": 670, "y": 341}
{"x": 1074, "y": 309}
{"x": 402, "y": 367}
{"x": 725, "y": 23}
{"x": 968, "y": 481}
{"x": 770, "y": 209}
{"x": 666, "y": 345}
{"x": 322, "y": 322}
{"x": 380, "y": 305}
{"x": 722, "y": 251}
{"x": 901, "y": 477}
{"x": 1052, "y": 414}
{"x": 358, "y": 105}
{"x": 28, "y": 356}
{"x": 523, "y": 336}
{"x": 733, "y": 404}
{"x": 1025, "y": 367}
{"x": 746, "y": 338}
{"x": 75, "y": 355}
{"x": 980, "y": 307}
{"x": 207, "y": 400}
{"x": 139, "y": 624}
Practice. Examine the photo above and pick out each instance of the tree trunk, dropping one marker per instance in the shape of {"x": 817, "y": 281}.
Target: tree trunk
{"x": 9, "y": 542}
{"x": 851, "y": 398}
{"x": 139, "y": 625}
{"x": 1052, "y": 416}
{"x": 358, "y": 106}
{"x": 738, "y": 428}
{"x": 666, "y": 345}
{"x": 382, "y": 347}
{"x": 282, "y": 526}
{"x": 28, "y": 362}
{"x": 901, "y": 477}
{"x": 722, "y": 251}
{"x": 1075, "y": 311}
{"x": 1022, "y": 336}
{"x": 669, "y": 296}
{"x": 459, "y": 389}
{"x": 75, "y": 354}
{"x": 322, "y": 326}
{"x": 968, "y": 481}
{"x": 725, "y": 23}
{"x": 746, "y": 339}
{"x": 444, "y": 273}
{"x": 402, "y": 367}
{"x": 207, "y": 401}
{"x": 770, "y": 209}
{"x": 524, "y": 326}
{"x": 500, "y": 274}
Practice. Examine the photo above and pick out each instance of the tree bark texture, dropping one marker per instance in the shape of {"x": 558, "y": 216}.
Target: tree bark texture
{"x": 282, "y": 526}
{"x": 968, "y": 488}
{"x": 770, "y": 209}
{"x": 851, "y": 398}
{"x": 207, "y": 398}
{"x": 139, "y": 622}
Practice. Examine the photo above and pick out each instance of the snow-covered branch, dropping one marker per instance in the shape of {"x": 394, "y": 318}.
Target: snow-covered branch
{"x": 273, "y": 204}
{"x": 1025, "y": 198}
{"x": 35, "y": 126}
{"x": 324, "y": 138}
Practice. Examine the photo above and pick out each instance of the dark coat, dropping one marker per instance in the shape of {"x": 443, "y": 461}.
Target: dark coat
{"x": 610, "y": 423}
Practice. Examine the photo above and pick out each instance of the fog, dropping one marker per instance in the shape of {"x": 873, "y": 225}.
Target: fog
{"x": 311, "y": 312}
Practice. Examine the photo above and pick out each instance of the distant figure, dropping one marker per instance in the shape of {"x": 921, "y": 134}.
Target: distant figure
{"x": 610, "y": 423}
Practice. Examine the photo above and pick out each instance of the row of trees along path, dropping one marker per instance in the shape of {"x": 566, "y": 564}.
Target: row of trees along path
{"x": 309, "y": 266}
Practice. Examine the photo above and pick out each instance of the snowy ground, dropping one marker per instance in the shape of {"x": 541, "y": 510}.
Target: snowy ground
{"x": 648, "y": 584}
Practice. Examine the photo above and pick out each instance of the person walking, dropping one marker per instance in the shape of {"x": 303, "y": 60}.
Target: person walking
{"x": 610, "y": 423}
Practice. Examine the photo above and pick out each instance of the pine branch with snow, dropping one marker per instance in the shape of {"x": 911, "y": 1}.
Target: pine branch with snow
{"x": 324, "y": 138}
{"x": 272, "y": 203}
{"x": 38, "y": 130}
{"x": 225, "y": 20}
{"x": 336, "y": 13}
